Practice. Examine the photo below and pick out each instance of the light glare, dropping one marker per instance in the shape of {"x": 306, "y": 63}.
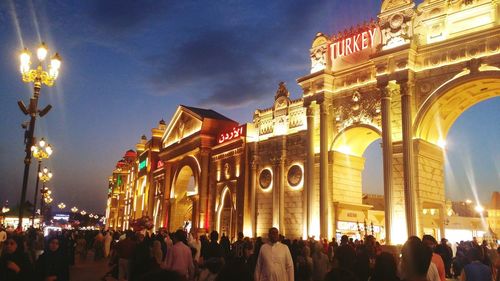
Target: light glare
{"x": 345, "y": 149}
{"x": 41, "y": 52}
{"x": 479, "y": 209}
{"x": 441, "y": 143}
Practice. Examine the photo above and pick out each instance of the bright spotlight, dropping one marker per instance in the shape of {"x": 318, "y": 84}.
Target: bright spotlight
{"x": 479, "y": 209}
{"x": 441, "y": 143}
{"x": 345, "y": 149}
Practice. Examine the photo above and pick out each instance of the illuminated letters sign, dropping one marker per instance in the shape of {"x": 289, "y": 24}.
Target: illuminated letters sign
{"x": 235, "y": 133}
{"x": 354, "y": 46}
{"x": 64, "y": 217}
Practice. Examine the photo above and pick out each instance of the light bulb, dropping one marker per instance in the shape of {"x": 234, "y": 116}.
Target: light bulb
{"x": 49, "y": 150}
{"x": 41, "y": 52}
{"x": 24, "y": 59}
{"x": 55, "y": 64}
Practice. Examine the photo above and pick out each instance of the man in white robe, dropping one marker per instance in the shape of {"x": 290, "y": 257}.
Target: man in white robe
{"x": 274, "y": 262}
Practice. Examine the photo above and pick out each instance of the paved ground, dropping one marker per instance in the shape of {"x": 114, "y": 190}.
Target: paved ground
{"x": 89, "y": 270}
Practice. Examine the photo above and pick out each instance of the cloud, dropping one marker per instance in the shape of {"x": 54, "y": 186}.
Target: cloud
{"x": 121, "y": 16}
{"x": 235, "y": 65}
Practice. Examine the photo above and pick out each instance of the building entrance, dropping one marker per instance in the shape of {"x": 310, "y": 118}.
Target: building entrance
{"x": 182, "y": 205}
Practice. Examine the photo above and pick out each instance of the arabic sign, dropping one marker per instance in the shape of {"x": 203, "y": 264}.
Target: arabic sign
{"x": 234, "y": 133}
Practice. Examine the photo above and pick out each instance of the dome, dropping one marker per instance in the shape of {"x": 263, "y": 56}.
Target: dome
{"x": 130, "y": 154}
{"x": 121, "y": 163}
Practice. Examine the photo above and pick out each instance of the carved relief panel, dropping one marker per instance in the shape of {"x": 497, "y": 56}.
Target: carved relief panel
{"x": 357, "y": 109}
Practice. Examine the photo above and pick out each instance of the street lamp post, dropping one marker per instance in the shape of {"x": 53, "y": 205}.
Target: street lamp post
{"x": 61, "y": 205}
{"x": 40, "y": 151}
{"x": 46, "y": 199}
{"x": 38, "y": 76}
{"x": 45, "y": 175}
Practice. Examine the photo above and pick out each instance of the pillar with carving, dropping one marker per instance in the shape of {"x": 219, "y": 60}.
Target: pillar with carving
{"x": 309, "y": 171}
{"x": 386, "y": 98}
{"x": 323, "y": 171}
{"x": 408, "y": 158}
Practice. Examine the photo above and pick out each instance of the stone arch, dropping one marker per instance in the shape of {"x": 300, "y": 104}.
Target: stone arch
{"x": 185, "y": 184}
{"x": 443, "y": 106}
{"x": 191, "y": 163}
{"x": 348, "y": 162}
{"x": 357, "y": 138}
{"x": 433, "y": 120}
{"x": 226, "y": 215}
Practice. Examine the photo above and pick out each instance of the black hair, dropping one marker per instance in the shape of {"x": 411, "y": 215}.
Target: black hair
{"x": 214, "y": 235}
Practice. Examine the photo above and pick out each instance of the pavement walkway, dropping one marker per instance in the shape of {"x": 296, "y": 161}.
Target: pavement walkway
{"x": 89, "y": 270}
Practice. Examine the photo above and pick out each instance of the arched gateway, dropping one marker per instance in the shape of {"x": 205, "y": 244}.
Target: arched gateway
{"x": 406, "y": 78}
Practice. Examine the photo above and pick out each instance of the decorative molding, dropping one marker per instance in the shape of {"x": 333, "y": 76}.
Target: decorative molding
{"x": 359, "y": 109}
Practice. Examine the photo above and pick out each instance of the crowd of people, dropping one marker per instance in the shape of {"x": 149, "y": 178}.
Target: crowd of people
{"x": 142, "y": 255}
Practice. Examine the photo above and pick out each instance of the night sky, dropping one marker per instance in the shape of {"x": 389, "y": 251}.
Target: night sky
{"x": 128, "y": 64}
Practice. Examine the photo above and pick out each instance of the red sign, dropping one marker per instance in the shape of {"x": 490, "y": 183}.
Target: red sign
{"x": 235, "y": 133}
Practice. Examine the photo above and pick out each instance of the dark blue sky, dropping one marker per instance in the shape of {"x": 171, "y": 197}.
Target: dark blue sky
{"x": 127, "y": 64}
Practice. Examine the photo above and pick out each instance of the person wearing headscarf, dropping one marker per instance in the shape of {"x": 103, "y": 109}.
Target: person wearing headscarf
{"x": 52, "y": 264}
{"x": 14, "y": 263}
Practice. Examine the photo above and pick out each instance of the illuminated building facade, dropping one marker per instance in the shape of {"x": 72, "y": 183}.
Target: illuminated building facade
{"x": 229, "y": 182}
{"x": 119, "y": 184}
{"x": 186, "y": 149}
{"x": 404, "y": 78}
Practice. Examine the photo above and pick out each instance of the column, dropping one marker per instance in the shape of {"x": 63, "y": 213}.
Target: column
{"x": 442, "y": 217}
{"x": 171, "y": 205}
{"x": 282, "y": 175}
{"x": 276, "y": 193}
{"x": 166, "y": 212}
{"x": 387, "y": 157}
{"x": 253, "y": 189}
{"x": 408, "y": 157}
{"x": 203, "y": 191}
{"x": 196, "y": 211}
{"x": 309, "y": 171}
{"x": 323, "y": 171}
